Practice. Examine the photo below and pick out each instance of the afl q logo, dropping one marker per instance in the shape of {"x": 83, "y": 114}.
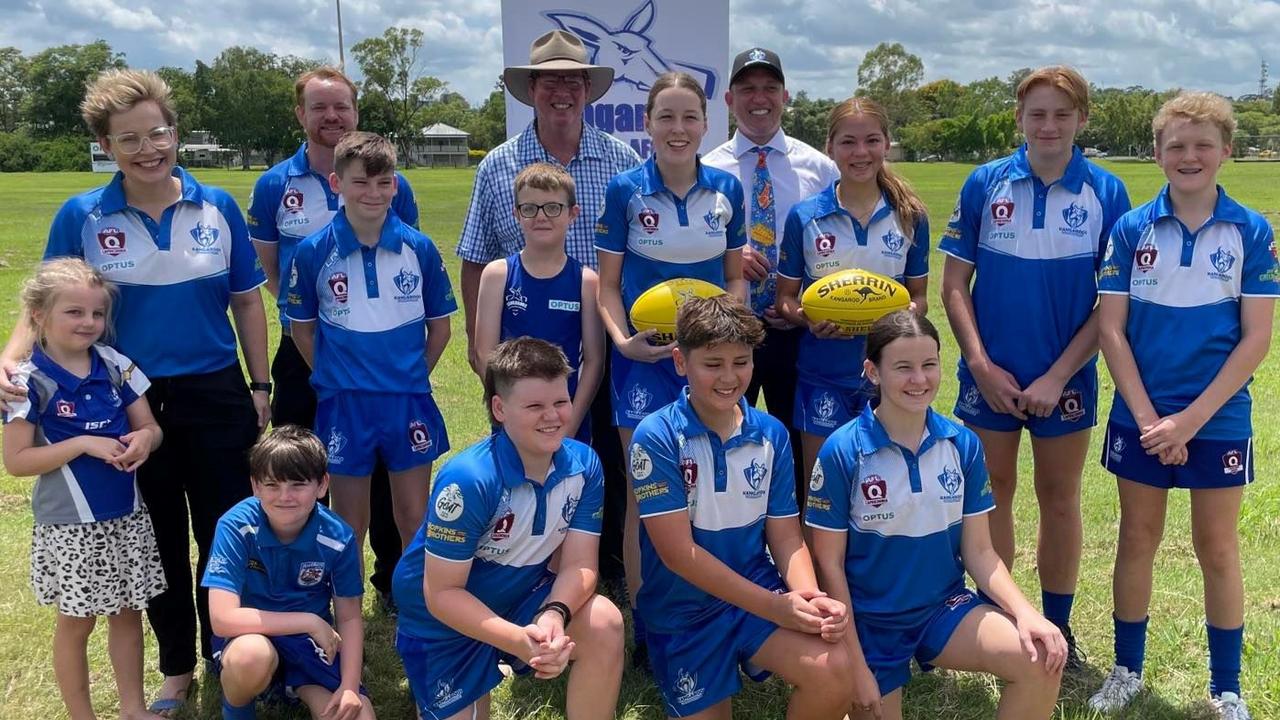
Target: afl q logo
{"x": 825, "y": 244}
{"x": 419, "y": 438}
{"x": 338, "y": 286}
{"x": 292, "y": 200}
{"x": 874, "y": 491}
{"x": 1233, "y": 462}
{"x": 1071, "y": 405}
{"x": 1002, "y": 212}
{"x": 111, "y": 241}
{"x": 1145, "y": 256}
{"x": 648, "y": 221}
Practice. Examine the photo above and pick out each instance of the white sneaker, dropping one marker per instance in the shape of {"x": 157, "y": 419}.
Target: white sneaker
{"x": 1117, "y": 690}
{"x": 1230, "y": 706}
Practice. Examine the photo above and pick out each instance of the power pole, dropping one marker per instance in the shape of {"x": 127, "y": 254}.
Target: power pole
{"x": 1263, "y": 89}
{"x": 342, "y": 58}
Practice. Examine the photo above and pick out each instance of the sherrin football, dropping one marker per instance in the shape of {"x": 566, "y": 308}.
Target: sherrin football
{"x": 657, "y": 307}
{"x": 853, "y": 299}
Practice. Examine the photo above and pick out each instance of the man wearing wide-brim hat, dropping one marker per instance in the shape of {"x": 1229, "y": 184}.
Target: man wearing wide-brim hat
{"x": 558, "y": 83}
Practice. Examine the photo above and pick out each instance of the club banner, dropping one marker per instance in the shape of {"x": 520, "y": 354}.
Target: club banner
{"x": 640, "y": 40}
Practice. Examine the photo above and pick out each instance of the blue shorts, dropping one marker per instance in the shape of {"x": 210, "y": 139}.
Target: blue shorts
{"x": 890, "y": 647}
{"x": 698, "y": 668}
{"x": 301, "y": 663}
{"x": 407, "y": 431}
{"x": 446, "y": 676}
{"x": 1077, "y": 408}
{"x": 1211, "y": 464}
{"x": 639, "y": 389}
{"x": 820, "y": 409}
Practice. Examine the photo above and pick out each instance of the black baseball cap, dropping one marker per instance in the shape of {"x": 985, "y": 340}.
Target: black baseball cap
{"x": 756, "y": 57}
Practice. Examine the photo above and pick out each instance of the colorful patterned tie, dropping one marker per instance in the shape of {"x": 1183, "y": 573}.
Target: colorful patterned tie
{"x": 763, "y": 231}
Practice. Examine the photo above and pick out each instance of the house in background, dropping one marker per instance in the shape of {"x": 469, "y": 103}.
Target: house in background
{"x": 202, "y": 150}
{"x": 440, "y": 145}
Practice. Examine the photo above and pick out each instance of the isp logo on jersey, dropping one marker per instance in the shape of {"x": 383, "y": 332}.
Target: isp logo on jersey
{"x": 111, "y": 241}
{"x": 875, "y": 491}
{"x": 338, "y": 286}
{"x": 648, "y": 220}
{"x": 1002, "y": 212}
{"x": 825, "y": 244}
{"x": 419, "y": 438}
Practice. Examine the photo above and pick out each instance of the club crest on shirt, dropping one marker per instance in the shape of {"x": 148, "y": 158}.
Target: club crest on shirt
{"x": 712, "y": 219}
{"x": 516, "y": 301}
{"x": 648, "y": 220}
{"x": 569, "y": 508}
{"x": 419, "y": 438}
{"x": 292, "y": 200}
{"x": 449, "y": 503}
{"x": 824, "y": 244}
{"x": 1233, "y": 462}
{"x": 689, "y": 474}
{"x": 111, "y": 241}
{"x": 1145, "y": 256}
{"x": 1002, "y": 212}
{"x": 310, "y": 573}
{"x": 406, "y": 282}
{"x": 875, "y": 492}
{"x": 755, "y": 473}
{"x": 1223, "y": 260}
{"x": 502, "y": 527}
{"x": 893, "y": 242}
{"x": 64, "y": 408}
{"x": 206, "y": 236}
{"x": 951, "y": 480}
{"x": 338, "y": 286}
{"x": 1075, "y": 216}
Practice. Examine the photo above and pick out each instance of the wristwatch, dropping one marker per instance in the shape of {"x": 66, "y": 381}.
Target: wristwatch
{"x": 260, "y": 386}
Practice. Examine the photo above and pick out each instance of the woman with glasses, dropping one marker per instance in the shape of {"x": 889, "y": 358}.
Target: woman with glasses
{"x": 542, "y": 292}
{"x": 181, "y": 255}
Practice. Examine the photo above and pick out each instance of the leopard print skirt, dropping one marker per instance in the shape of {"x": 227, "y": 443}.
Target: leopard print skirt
{"x": 97, "y": 568}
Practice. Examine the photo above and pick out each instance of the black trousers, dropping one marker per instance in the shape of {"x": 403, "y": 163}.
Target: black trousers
{"x": 604, "y": 440}
{"x": 294, "y": 402}
{"x": 775, "y": 374}
{"x": 200, "y": 471}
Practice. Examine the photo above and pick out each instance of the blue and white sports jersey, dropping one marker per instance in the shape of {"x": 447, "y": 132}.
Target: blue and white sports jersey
{"x": 86, "y": 489}
{"x": 662, "y": 237}
{"x": 547, "y": 308}
{"x": 177, "y": 274}
{"x": 291, "y": 201}
{"x": 372, "y": 303}
{"x": 903, "y": 512}
{"x": 1037, "y": 250}
{"x": 1184, "y": 293}
{"x": 247, "y": 558}
{"x": 728, "y": 489}
{"x": 485, "y": 511}
{"x": 821, "y": 238}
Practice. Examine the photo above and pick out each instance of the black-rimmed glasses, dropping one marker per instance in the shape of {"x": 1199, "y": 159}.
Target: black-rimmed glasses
{"x": 551, "y": 209}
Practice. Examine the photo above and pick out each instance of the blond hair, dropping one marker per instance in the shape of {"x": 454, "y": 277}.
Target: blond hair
{"x": 117, "y": 91}
{"x": 1061, "y": 77}
{"x": 908, "y": 205}
{"x": 324, "y": 72}
{"x": 547, "y": 178}
{"x": 41, "y": 290}
{"x": 1203, "y": 107}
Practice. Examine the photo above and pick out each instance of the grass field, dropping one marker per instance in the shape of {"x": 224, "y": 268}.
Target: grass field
{"x": 1176, "y": 667}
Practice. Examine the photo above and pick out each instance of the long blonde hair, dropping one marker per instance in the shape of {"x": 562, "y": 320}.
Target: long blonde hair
{"x": 910, "y": 208}
{"x": 41, "y": 290}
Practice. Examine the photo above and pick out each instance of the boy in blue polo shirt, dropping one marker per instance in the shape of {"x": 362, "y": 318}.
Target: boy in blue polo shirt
{"x": 372, "y": 282}
{"x": 715, "y": 484}
{"x": 277, "y": 560}
{"x": 501, "y": 510}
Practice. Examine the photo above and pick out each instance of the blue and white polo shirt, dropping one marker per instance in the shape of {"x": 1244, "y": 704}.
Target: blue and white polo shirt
{"x": 486, "y": 511}
{"x": 86, "y": 489}
{"x": 661, "y": 236}
{"x": 1184, "y": 293}
{"x": 321, "y": 563}
{"x": 371, "y": 303}
{"x": 821, "y": 238}
{"x": 727, "y": 488}
{"x": 176, "y": 275}
{"x": 903, "y": 512}
{"x": 1037, "y": 249}
{"x": 291, "y": 201}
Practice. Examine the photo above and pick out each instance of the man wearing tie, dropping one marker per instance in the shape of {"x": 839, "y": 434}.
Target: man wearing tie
{"x": 776, "y": 171}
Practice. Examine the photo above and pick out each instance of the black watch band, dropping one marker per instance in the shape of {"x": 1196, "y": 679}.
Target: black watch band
{"x": 558, "y": 607}
{"x": 263, "y": 386}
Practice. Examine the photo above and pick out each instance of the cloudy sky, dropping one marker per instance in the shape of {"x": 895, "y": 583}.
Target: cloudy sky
{"x": 1203, "y": 44}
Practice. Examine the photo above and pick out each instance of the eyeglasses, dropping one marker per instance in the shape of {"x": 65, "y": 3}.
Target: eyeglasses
{"x": 160, "y": 138}
{"x": 551, "y": 209}
{"x": 568, "y": 82}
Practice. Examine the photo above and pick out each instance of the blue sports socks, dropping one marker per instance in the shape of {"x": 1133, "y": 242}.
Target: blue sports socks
{"x": 242, "y": 712}
{"x": 1225, "y": 648}
{"x": 1057, "y": 607}
{"x": 1131, "y": 643}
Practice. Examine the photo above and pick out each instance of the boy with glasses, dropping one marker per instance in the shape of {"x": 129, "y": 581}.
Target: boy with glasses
{"x": 542, "y": 292}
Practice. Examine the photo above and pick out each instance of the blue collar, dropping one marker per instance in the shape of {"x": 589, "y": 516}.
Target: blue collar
{"x": 113, "y": 199}
{"x": 690, "y": 424}
{"x": 299, "y": 164}
{"x": 827, "y": 202}
{"x": 306, "y": 537}
{"x": 345, "y": 235}
{"x": 511, "y": 468}
{"x": 64, "y": 377}
{"x": 872, "y": 436}
{"x": 651, "y": 178}
{"x": 1224, "y": 210}
{"x": 530, "y": 150}
{"x": 1073, "y": 177}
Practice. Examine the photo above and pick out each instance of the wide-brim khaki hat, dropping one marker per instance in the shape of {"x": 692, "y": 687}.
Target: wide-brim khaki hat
{"x": 557, "y": 52}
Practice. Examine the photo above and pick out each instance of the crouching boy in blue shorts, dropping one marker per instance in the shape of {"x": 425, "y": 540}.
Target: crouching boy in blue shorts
{"x": 504, "y": 567}
{"x": 277, "y": 560}
{"x": 715, "y": 484}
{"x": 359, "y": 293}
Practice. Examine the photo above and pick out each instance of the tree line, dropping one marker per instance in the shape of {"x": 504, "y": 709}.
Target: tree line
{"x": 244, "y": 98}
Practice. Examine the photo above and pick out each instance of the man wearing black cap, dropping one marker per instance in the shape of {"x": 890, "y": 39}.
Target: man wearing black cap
{"x": 776, "y": 171}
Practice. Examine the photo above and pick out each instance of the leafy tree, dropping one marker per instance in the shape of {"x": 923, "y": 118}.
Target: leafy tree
{"x": 488, "y": 125}
{"x": 393, "y": 81}
{"x": 252, "y": 103}
{"x": 940, "y": 98}
{"x": 56, "y": 79}
{"x": 807, "y": 119}
{"x": 13, "y": 87}
{"x": 889, "y": 75}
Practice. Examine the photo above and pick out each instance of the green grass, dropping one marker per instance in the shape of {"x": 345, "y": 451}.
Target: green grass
{"x": 1176, "y": 667}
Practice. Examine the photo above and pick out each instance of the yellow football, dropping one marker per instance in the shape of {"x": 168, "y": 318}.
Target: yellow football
{"x": 853, "y": 299}
{"x": 657, "y": 307}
